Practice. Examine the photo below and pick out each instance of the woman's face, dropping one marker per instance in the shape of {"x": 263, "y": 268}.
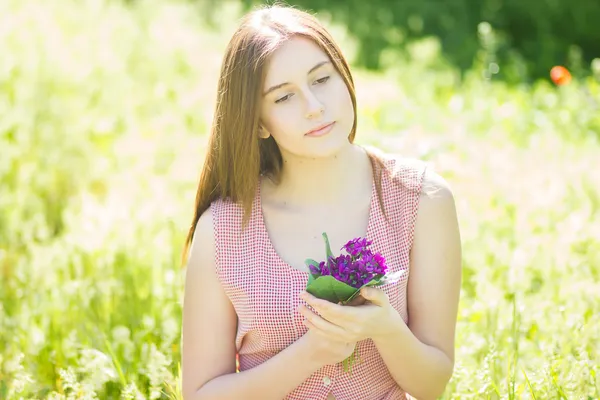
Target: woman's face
{"x": 302, "y": 92}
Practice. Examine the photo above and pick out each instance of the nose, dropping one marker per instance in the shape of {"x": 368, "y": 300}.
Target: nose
{"x": 314, "y": 107}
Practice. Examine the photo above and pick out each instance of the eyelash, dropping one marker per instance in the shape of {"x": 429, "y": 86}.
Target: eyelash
{"x": 286, "y": 97}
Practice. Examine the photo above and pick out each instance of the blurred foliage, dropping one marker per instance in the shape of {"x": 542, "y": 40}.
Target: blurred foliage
{"x": 105, "y": 114}
{"x": 529, "y": 36}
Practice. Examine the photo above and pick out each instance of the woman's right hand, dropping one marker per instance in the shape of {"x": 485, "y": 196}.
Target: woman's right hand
{"x": 324, "y": 350}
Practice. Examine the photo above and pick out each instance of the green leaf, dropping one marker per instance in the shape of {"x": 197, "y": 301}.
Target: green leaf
{"x": 348, "y": 363}
{"x": 309, "y": 261}
{"x": 327, "y": 246}
{"x": 330, "y": 289}
{"x": 311, "y": 277}
{"x": 349, "y": 299}
{"x": 351, "y": 360}
{"x": 376, "y": 281}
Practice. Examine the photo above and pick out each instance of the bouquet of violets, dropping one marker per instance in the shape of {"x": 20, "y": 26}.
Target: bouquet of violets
{"x": 340, "y": 279}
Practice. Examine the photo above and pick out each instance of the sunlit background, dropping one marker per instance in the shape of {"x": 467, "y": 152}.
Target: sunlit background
{"x": 105, "y": 107}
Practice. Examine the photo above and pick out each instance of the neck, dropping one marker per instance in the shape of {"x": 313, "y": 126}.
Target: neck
{"x": 324, "y": 181}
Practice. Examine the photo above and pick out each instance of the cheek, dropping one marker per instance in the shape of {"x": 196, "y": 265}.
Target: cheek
{"x": 281, "y": 120}
{"x": 347, "y": 100}
{"x": 271, "y": 118}
{"x": 339, "y": 99}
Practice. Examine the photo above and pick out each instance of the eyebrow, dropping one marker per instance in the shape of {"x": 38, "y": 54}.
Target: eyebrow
{"x": 272, "y": 88}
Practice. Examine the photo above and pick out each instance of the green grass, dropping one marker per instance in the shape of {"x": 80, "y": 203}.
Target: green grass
{"x": 105, "y": 111}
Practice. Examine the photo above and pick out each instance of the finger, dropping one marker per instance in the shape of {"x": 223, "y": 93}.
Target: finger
{"x": 357, "y": 301}
{"x": 316, "y": 330}
{"x": 323, "y": 324}
{"x": 335, "y": 313}
{"x": 375, "y": 296}
{"x": 329, "y": 332}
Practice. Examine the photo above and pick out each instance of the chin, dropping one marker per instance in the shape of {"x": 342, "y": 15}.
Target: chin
{"x": 330, "y": 148}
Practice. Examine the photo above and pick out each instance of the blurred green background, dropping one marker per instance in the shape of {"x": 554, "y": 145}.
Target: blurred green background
{"x": 105, "y": 108}
{"x": 525, "y": 36}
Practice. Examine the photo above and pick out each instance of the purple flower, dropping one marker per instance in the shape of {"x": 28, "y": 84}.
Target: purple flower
{"x": 356, "y": 268}
{"x": 380, "y": 262}
{"x": 315, "y": 269}
{"x": 359, "y": 271}
{"x": 341, "y": 267}
{"x": 321, "y": 269}
{"x": 325, "y": 268}
{"x": 355, "y": 246}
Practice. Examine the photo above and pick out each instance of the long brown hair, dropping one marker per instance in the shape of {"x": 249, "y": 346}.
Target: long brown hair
{"x": 236, "y": 156}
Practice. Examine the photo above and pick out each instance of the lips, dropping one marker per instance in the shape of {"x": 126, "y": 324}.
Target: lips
{"x": 320, "y": 130}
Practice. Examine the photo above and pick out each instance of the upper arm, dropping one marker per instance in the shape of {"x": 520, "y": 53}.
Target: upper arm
{"x": 435, "y": 271}
{"x": 209, "y": 319}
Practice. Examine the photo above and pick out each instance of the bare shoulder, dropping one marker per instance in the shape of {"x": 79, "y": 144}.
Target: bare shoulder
{"x": 419, "y": 178}
{"x": 203, "y": 241}
{"x": 436, "y": 209}
{"x": 435, "y": 188}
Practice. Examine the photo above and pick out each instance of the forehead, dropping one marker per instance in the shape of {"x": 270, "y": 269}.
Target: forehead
{"x": 293, "y": 60}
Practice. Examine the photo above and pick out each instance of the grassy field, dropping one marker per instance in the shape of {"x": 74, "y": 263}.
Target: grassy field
{"x": 105, "y": 111}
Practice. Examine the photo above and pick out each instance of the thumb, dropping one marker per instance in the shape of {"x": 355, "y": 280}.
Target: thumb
{"x": 375, "y": 296}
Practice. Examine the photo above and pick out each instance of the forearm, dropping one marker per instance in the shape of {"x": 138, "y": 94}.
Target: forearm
{"x": 273, "y": 379}
{"x": 422, "y": 371}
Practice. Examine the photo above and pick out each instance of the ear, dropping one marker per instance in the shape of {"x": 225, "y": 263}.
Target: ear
{"x": 263, "y": 133}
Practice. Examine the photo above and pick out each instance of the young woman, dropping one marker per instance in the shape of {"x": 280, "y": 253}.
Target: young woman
{"x": 281, "y": 169}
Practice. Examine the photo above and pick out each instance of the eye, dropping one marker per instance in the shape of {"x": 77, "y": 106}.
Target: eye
{"x": 284, "y": 98}
{"x": 322, "y": 80}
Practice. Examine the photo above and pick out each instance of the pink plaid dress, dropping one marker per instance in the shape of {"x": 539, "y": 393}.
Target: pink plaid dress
{"x": 268, "y": 317}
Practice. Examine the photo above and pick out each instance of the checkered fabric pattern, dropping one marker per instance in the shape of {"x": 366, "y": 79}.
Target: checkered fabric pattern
{"x": 267, "y": 311}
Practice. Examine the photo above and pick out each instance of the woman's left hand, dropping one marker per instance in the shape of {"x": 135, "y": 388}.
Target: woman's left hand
{"x": 351, "y": 323}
